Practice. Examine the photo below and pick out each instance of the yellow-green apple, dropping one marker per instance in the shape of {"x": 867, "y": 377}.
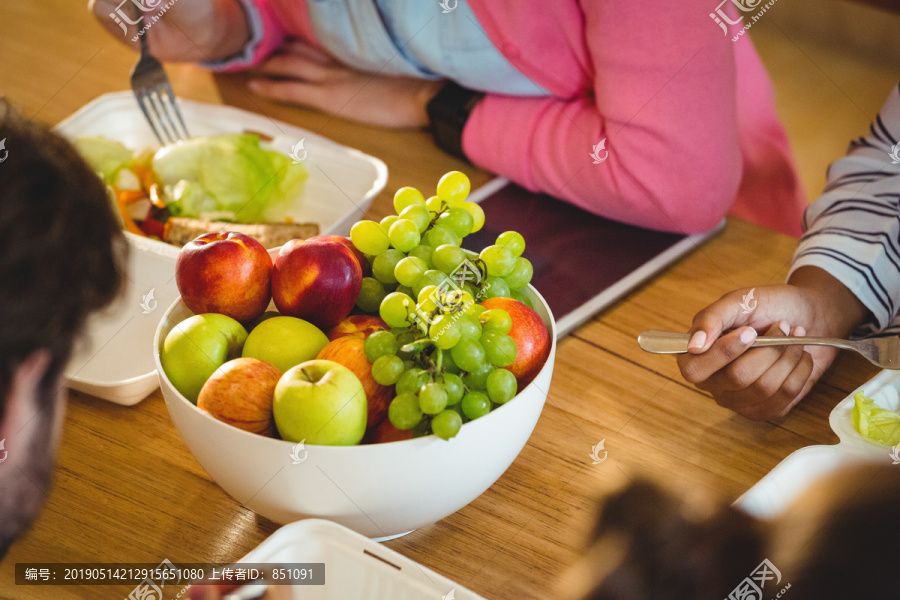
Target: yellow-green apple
{"x": 284, "y": 342}
{"x": 348, "y": 351}
{"x": 360, "y": 257}
{"x": 316, "y": 281}
{"x": 240, "y": 393}
{"x": 227, "y": 273}
{"x": 386, "y": 432}
{"x": 196, "y": 347}
{"x": 361, "y": 326}
{"x": 530, "y": 335}
{"x": 321, "y": 402}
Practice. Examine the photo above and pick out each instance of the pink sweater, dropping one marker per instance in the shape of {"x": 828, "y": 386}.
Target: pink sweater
{"x": 688, "y": 115}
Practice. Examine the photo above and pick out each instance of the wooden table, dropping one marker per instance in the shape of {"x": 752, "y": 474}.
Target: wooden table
{"x": 128, "y": 490}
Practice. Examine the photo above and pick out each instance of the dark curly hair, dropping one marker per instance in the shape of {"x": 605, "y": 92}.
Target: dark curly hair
{"x": 62, "y": 252}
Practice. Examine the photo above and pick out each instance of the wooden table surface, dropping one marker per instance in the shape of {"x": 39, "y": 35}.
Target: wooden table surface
{"x": 128, "y": 490}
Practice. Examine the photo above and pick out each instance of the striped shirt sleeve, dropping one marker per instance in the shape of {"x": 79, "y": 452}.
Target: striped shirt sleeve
{"x": 852, "y": 231}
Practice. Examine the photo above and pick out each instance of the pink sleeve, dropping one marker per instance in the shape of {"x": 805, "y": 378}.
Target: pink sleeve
{"x": 266, "y": 36}
{"x": 663, "y": 99}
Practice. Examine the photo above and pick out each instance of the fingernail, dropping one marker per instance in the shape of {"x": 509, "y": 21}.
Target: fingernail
{"x": 697, "y": 340}
{"x": 784, "y": 327}
{"x": 253, "y": 84}
{"x": 799, "y": 331}
{"x": 748, "y": 335}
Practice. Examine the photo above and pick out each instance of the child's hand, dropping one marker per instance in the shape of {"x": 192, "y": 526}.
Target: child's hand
{"x": 765, "y": 383}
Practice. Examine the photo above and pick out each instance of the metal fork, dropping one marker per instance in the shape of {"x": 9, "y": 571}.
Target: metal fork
{"x": 154, "y": 95}
{"x": 882, "y": 352}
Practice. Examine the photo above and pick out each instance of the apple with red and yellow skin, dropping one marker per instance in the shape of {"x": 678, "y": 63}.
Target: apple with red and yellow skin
{"x": 316, "y": 281}
{"x": 530, "y": 335}
{"x": 348, "y": 351}
{"x": 226, "y": 273}
{"x": 360, "y": 257}
{"x": 386, "y": 432}
{"x": 361, "y": 326}
{"x": 240, "y": 393}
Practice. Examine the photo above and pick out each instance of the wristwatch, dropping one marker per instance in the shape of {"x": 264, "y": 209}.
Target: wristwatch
{"x": 448, "y": 112}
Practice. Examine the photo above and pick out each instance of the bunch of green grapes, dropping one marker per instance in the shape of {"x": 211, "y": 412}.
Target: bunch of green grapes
{"x": 444, "y": 352}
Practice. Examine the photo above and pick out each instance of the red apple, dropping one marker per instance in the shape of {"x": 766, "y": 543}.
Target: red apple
{"x": 360, "y": 257}
{"x": 348, "y": 351}
{"x": 240, "y": 393}
{"x": 226, "y": 273}
{"x": 361, "y": 326}
{"x": 531, "y": 337}
{"x": 316, "y": 281}
{"x": 386, "y": 432}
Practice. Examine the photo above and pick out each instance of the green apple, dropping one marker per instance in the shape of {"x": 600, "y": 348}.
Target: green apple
{"x": 196, "y": 347}
{"x": 284, "y": 342}
{"x": 321, "y": 402}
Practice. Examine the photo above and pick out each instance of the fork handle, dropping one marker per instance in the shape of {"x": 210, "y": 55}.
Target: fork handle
{"x": 672, "y": 342}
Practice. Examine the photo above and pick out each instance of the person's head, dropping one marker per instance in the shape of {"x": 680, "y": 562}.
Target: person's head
{"x": 61, "y": 257}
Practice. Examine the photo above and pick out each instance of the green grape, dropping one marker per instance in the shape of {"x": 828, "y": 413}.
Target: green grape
{"x": 498, "y": 259}
{"x": 495, "y": 287}
{"x": 517, "y": 295}
{"x": 447, "y": 363}
{"x": 477, "y": 380}
{"x": 444, "y": 332}
{"x": 499, "y": 349}
{"x": 386, "y": 223}
{"x": 396, "y": 308}
{"x": 440, "y": 235}
{"x": 423, "y": 252}
{"x": 477, "y": 310}
{"x": 496, "y": 320}
{"x": 453, "y": 188}
{"x": 406, "y": 337}
{"x": 435, "y": 205}
{"x": 500, "y": 386}
{"x": 386, "y": 370}
{"x": 381, "y": 343}
{"x": 404, "y": 411}
{"x": 448, "y": 257}
{"x": 405, "y": 290}
{"x": 409, "y": 269}
{"x": 453, "y": 385}
{"x": 371, "y": 293}
{"x": 384, "y": 264}
{"x": 476, "y": 404}
{"x": 404, "y": 235}
{"x": 432, "y": 398}
{"x": 368, "y": 237}
{"x": 407, "y": 196}
{"x": 468, "y": 355}
{"x": 469, "y": 328}
{"x": 512, "y": 240}
{"x": 418, "y": 214}
{"x": 459, "y": 220}
{"x": 411, "y": 381}
{"x": 477, "y": 215}
{"x": 521, "y": 274}
{"x": 429, "y": 277}
{"x": 425, "y": 293}
{"x": 446, "y": 424}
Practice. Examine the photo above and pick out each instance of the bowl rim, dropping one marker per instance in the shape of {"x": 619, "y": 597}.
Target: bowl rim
{"x": 551, "y": 329}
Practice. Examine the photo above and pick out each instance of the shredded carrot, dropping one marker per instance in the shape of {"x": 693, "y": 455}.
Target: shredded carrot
{"x": 144, "y": 175}
{"x": 129, "y": 196}
{"x": 130, "y": 225}
{"x": 155, "y": 198}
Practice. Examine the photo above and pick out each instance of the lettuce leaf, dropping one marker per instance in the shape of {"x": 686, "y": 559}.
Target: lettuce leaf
{"x": 875, "y": 423}
{"x": 104, "y": 155}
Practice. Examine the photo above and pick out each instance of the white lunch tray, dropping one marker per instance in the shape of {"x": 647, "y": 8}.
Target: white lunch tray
{"x": 774, "y": 492}
{"x": 355, "y": 566}
{"x": 115, "y": 360}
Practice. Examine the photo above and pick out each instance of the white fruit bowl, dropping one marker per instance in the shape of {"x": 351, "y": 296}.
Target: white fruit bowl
{"x": 378, "y": 490}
